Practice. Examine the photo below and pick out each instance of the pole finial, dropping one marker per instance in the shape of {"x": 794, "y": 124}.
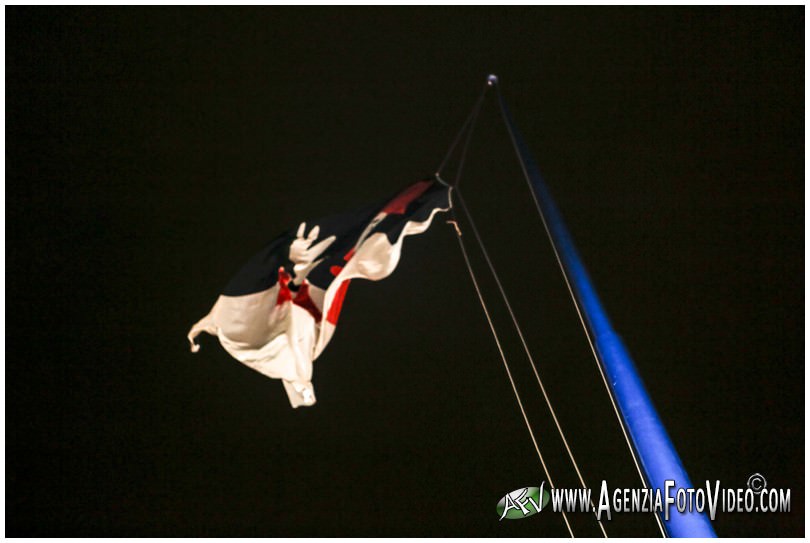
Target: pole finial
{"x": 492, "y": 79}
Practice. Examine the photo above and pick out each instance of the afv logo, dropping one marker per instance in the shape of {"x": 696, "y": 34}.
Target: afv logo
{"x": 523, "y": 502}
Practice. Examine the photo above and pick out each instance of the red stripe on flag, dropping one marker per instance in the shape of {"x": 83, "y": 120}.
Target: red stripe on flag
{"x": 337, "y": 302}
{"x": 284, "y": 294}
{"x": 302, "y": 299}
{"x": 400, "y": 202}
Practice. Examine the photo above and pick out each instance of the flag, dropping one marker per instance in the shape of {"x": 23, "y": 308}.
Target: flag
{"x": 280, "y": 310}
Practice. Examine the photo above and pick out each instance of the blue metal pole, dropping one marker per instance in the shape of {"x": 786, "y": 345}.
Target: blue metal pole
{"x": 657, "y": 455}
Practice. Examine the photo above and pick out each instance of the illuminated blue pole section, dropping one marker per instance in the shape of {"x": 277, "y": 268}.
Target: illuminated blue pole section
{"x": 657, "y": 455}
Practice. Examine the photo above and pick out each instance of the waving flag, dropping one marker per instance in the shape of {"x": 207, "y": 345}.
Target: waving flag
{"x": 280, "y": 310}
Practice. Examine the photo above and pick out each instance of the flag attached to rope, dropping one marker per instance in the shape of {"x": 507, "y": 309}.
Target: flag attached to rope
{"x": 280, "y": 310}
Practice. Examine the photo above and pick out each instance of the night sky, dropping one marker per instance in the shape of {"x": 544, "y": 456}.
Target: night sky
{"x": 150, "y": 152}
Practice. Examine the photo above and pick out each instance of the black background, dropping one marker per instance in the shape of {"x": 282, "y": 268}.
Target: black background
{"x": 150, "y": 152}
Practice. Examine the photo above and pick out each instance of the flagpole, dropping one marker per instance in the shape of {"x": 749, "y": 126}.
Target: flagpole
{"x": 657, "y": 455}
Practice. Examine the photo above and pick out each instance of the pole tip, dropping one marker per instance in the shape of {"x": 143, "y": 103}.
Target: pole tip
{"x": 492, "y": 79}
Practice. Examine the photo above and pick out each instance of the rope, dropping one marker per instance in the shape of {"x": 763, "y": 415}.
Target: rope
{"x": 506, "y": 367}
{"x": 471, "y": 118}
{"x": 575, "y": 300}
{"x": 528, "y": 353}
{"x": 469, "y": 127}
